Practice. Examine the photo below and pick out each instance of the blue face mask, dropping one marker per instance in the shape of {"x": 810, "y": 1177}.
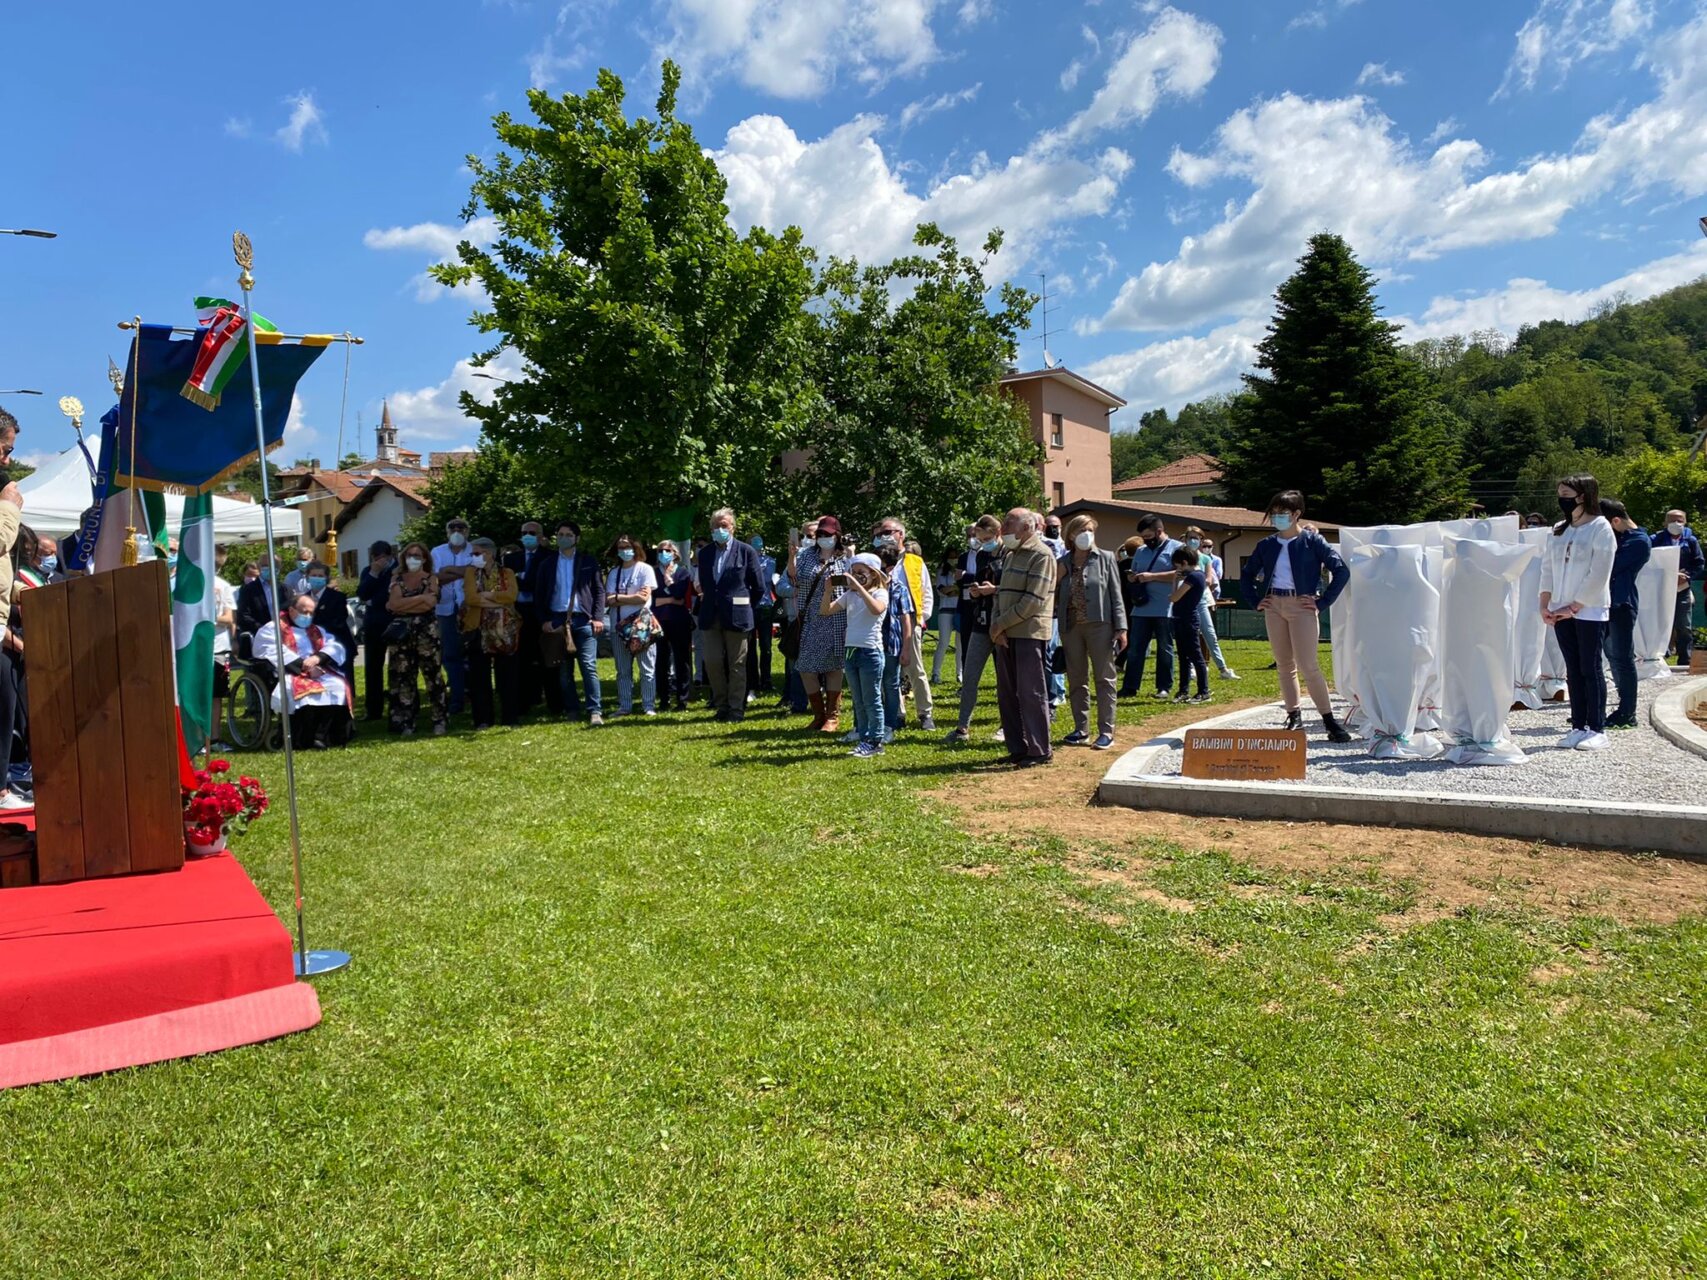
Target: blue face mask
{"x": 1193, "y": 543}
{"x": 171, "y": 562}
{"x": 1281, "y": 521}
{"x": 266, "y": 575}
{"x": 666, "y": 557}
{"x": 302, "y": 619}
{"x": 758, "y": 544}
{"x": 49, "y": 563}
{"x": 530, "y": 540}
{"x": 625, "y": 554}
{"x": 991, "y": 545}
{"x": 720, "y": 537}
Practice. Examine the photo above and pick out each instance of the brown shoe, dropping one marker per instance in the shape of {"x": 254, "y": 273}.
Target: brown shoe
{"x": 817, "y": 701}
{"x": 832, "y": 712}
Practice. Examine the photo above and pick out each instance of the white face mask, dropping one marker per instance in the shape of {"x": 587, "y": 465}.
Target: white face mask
{"x": 1010, "y": 541}
{"x": 826, "y": 544}
{"x": 414, "y": 563}
{"x": 1675, "y": 529}
{"x": 1085, "y": 541}
{"x": 477, "y": 560}
{"x": 457, "y": 539}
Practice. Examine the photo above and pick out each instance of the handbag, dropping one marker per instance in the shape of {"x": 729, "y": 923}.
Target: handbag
{"x": 396, "y": 632}
{"x": 639, "y": 631}
{"x": 789, "y": 641}
{"x": 500, "y": 631}
{"x": 555, "y": 646}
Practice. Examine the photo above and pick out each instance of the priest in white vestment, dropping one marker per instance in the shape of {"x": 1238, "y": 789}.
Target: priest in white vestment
{"x": 310, "y": 659}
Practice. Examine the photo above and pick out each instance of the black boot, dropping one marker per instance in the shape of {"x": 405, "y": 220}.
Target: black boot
{"x": 1336, "y": 730}
{"x": 1294, "y": 720}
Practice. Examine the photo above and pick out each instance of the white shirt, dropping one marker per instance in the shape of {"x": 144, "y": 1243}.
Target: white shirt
{"x": 865, "y": 628}
{"x": 224, "y": 601}
{"x": 450, "y": 595}
{"x": 1283, "y": 568}
{"x": 1576, "y": 568}
{"x": 626, "y": 581}
{"x": 333, "y": 691}
{"x": 561, "y": 593}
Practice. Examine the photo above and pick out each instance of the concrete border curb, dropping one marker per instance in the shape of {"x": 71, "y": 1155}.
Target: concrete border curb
{"x": 1669, "y": 715}
{"x": 1678, "y": 830}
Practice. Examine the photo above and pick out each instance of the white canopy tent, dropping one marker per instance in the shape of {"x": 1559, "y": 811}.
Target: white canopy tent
{"x": 56, "y": 497}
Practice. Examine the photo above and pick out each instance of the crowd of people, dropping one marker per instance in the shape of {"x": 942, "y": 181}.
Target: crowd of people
{"x": 497, "y": 631}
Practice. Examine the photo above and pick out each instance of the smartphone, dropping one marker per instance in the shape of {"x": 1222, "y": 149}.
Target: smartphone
{"x": 841, "y": 580}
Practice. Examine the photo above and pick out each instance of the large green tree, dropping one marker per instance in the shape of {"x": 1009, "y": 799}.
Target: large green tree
{"x": 1338, "y": 411}
{"x": 665, "y": 355}
{"x": 908, "y": 360}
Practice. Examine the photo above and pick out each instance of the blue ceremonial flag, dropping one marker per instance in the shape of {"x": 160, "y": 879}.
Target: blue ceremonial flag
{"x": 179, "y": 443}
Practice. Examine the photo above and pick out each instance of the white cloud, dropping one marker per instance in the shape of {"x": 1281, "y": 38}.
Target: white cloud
{"x": 913, "y": 112}
{"x": 797, "y": 48}
{"x": 299, "y": 436}
{"x": 437, "y": 240}
{"x": 236, "y": 127}
{"x": 1176, "y": 56}
{"x": 1562, "y": 33}
{"x": 545, "y": 63}
{"x": 305, "y": 124}
{"x": 1525, "y": 301}
{"x": 972, "y": 12}
{"x": 1174, "y": 373}
{"x": 1341, "y": 165}
{"x": 434, "y": 414}
{"x": 1319, "y": 15}
{"x": 1442, "y": 131}
{"x": 1378, "y": 74}
{"x": 848, "y": 198}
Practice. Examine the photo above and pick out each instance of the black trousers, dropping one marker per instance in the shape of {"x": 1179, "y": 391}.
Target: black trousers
{"x": 1022, "y": 698}
{"x": 530, "y": 674}
{"x": 1581, "y": 644}
{"x": 674, "y": 669}
{"x": 374, "y": 646}
{"x": 759, "y": 652}
{"x": 481, "y": 668}
{"x": 1683, "y": 628}
{"x": 315, "y": 727}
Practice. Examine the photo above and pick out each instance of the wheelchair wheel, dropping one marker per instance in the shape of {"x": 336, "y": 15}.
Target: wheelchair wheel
{"x": 249, "y": 712}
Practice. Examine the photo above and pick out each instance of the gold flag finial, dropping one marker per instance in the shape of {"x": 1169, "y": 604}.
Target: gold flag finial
{"x": 115, "y": 377}
{"x": 245, "y": 255}
{"x": 72, "y": 408}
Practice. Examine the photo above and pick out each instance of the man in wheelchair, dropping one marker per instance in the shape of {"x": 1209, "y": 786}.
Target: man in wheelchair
{"x": 292, "y": 647}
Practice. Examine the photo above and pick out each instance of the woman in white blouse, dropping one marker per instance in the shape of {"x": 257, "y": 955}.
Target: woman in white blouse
{"x": 628, "y": 597}
{"x": 1576, "y": 601}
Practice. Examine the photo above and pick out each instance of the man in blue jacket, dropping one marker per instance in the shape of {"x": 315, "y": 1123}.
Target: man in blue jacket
{"x": 729, "y": 592}
{"x": 1691, "y": 566}
{"x": 1633, "y": 551}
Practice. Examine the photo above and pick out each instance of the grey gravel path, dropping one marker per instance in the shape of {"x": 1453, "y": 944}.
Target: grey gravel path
{"x": 1640, "y": 765}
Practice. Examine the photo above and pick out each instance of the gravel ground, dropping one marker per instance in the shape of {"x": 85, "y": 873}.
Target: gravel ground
{"x": 1640, "y": 765}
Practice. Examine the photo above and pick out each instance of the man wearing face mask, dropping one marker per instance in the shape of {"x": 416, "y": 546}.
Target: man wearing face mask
{"x": 573, "y": 592}
{"x": 312, "y": 661}
{"x": 1691, "y": 567}
{"x": 728, "y": 587}
{"x": 255, "y": 602}
{"x": 764, "y": 616}
{"x": 450, "y": 558}
{"x": 374, "y": 590}
{"x": 294, "y": 579}
{"x": 524, "y": 562}
{"x": 331, "y": 611}
{"x": 1025, "y": 610}
{"x": 980, "y": 574}
{"x": 1149, "y": 583}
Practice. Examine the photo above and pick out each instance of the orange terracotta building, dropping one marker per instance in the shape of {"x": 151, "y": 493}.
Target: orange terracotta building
{"x": 1070, "y": 419}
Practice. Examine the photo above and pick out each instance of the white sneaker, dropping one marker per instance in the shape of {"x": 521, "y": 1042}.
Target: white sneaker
{"x": 12, "y": 802}
{"x": 1572, "y": 738}
{"x": 1594, "y": 742}
{"x": 1229, "y": 675}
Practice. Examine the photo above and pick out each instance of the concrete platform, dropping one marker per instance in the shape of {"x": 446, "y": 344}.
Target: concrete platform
{"x": 1146, "y": 778}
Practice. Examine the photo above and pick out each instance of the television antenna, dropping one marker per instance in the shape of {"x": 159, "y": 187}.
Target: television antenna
{"x": 1049, "y": 361}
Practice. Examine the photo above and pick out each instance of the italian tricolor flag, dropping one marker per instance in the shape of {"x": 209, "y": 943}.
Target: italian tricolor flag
{"x": 195, "y": 611}
{"x": 222, "y": 351}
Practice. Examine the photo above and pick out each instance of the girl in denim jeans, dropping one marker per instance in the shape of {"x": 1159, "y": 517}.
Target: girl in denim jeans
{"x": 865, "y": 601}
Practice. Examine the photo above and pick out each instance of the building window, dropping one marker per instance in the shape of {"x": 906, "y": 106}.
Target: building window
{"x": 311, "y": 526}
{"x": 1058, "y": 492}
{"x": 1057, "y": 435}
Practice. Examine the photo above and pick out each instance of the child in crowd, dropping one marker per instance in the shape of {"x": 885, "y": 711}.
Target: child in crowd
{"x": 1186, "y": 598}
{"x": 865, "y": 601}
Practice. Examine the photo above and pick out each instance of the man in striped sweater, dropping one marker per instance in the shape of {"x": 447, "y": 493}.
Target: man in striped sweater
{"x": 1019, "y": 630}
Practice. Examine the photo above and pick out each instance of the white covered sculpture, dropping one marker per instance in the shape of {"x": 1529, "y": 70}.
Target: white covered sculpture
{"x": 1348, "y": 650}
{"x": 1397, "y": 625}
{"x": 1656, "y": 606}
{"x": 1530, "y": 635}
{"x": 1478, "y": 607}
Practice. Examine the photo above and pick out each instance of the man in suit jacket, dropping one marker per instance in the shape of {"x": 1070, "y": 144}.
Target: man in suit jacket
{"x": 525, "y": 564}
{"x": 374, "y": 591}
{"x": 729, "y": 591}
{"x": 255, "y": 604}
{"x": 331, "y": 611}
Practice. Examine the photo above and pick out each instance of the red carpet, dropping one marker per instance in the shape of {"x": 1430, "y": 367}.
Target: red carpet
{"x": 109, "y": 973}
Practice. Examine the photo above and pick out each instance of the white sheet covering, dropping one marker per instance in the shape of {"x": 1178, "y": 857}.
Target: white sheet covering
{"x": 1478, "y": 611}
{"x": 1347, "y": 649}
{"x": 1397, "y": 626}
{"x": 1656, "y": 598}
{"x": 1530, "y": 635}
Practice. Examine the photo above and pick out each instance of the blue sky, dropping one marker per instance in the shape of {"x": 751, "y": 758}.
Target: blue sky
{"x": 1496, "y": 163}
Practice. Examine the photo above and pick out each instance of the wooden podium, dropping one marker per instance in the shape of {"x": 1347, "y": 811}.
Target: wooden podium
{"x": 103, "y": 726}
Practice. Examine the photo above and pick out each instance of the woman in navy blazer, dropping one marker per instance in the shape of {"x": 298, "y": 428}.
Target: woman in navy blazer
{"x": 1282, "y": 579}
{"x": 730, "y": 588}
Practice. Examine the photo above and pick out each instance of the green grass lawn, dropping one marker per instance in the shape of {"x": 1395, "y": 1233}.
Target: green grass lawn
{"x": 684, "y": 999}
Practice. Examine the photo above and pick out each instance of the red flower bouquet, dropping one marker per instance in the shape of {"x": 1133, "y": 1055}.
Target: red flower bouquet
{"x": 216, "y": 807}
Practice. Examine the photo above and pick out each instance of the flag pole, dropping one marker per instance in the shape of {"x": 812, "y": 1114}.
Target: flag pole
{"x": 308, "y": 963}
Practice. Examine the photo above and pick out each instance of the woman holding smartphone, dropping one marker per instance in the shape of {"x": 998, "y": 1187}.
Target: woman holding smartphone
{"x": 822, "y": 636}
{"x": 1576, "y": 601}
{"x": 864, "y": 601}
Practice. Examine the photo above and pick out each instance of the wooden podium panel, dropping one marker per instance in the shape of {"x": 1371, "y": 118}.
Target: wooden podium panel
{"x": 103, "y": 730}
